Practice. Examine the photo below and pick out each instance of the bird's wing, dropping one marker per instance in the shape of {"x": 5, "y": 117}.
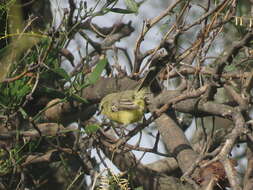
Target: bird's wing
{"x": 124, "y": 104}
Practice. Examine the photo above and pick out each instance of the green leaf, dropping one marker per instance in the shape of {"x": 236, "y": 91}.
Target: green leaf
{"x": 78, "y": 98}
{"x": 61, "y": 72}
{"x": 95, "y": 75}
{"x": 13, "y": 93}
{"x": 89, "y": 129}
{"x": 121, "y": 11}
{"x": 132, "y": 5}
{"x": 23, "y": 113}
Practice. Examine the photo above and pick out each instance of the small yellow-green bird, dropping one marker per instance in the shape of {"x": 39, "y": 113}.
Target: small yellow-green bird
{"x": 124, "y": 107}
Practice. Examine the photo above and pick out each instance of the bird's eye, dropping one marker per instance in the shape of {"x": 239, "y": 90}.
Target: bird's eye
{"x": 114, "y": 108}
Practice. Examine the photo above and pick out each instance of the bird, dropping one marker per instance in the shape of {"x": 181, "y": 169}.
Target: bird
{"x": 124, "y": 107}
